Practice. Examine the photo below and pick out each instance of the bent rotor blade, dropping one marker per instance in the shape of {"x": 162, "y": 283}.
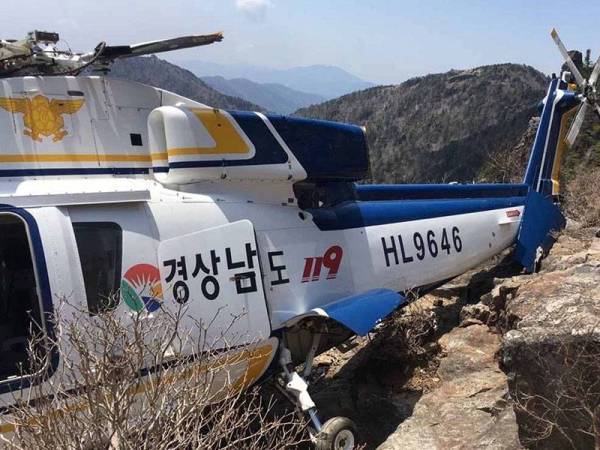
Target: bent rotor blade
{"x": 574, "y": 70}
{"x": 595, "y": 73}
{"x": 167, "y": 45}
{"x": 577, "y": 123}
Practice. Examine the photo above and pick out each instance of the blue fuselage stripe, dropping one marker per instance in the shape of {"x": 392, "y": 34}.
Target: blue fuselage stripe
{"x": 541, "y": 137}
{"x": 365, "y": 214}
{"x": 438, "y": 191}
{"x": 7, "y": 173}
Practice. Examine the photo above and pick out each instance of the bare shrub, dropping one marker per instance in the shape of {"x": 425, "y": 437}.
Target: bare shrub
{"x": 505, "y": 167}
{"x": 508, "y": 165}
{"x": 124, "y": 382}
{"x": 406, "y": 335}
{"x": 556, "y": 391}
{"x": 582, "y": 198}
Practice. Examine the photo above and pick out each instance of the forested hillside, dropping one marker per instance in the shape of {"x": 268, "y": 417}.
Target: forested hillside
{"x": 162, "y": 74}
{"x": 442, "y": 127}
{"x": 274, "y": 97}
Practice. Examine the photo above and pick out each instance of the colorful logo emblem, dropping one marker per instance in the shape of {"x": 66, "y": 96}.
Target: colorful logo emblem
{"x": 42, "y": 116}
{"x": 141, "y": 288}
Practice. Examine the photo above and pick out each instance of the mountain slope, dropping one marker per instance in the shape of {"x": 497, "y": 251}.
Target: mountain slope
{"x": 326, "y": 81}
{"x": 273, "y": 97}
{"x": 159, "y": 73}
{"x": 442, "y": 127}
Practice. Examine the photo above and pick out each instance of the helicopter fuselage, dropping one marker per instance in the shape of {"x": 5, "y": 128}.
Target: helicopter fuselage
{"x": 170, "y": 202}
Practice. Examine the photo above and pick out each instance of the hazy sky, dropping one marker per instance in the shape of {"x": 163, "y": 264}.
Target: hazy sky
{"x": 379, "y": 40}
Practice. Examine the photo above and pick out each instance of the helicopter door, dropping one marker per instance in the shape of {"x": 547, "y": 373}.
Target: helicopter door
{"x": 21, "y": 310}
{"x": 215, "y": 273}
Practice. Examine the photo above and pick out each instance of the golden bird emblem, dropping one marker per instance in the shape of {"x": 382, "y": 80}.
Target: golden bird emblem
{"x": 42, "y": 116}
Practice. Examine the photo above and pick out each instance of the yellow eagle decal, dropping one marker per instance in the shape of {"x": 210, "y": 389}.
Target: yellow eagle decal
{"x": 42, "y": 116}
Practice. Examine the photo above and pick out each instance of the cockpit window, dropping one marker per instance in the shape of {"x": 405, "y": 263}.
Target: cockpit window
{"x": 100, "y": 246}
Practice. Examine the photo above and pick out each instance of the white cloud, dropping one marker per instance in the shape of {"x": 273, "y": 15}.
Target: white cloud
{"x": 254, "y": 9}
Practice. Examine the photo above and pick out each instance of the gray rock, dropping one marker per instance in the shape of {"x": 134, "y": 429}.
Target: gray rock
{"x": 553, "y": 353}
{"x": 467, "y": 410}
{"x": 478, "y": 311}
{"x": 545, "y": 317}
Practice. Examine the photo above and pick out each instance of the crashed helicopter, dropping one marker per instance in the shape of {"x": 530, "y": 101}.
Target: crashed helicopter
{"x": 110, "y": 185}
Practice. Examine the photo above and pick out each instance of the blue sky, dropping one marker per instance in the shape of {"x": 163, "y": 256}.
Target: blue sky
{"x": 379, "y": 40}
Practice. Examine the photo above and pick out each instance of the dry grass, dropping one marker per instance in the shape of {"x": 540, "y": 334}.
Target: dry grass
{"x": 582, "y": 198}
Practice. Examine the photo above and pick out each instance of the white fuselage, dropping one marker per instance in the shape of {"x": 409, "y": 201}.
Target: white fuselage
{"x": 220, "y": 240}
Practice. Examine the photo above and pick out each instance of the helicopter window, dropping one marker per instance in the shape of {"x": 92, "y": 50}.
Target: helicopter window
{"x": 20, "y": 313}
{"x": 136, "y": 139}
{"x": 99, "y": 245}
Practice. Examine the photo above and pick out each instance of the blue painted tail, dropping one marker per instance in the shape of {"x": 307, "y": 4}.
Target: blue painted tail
{"x": 542, "y": 215}
{"x": 543, "y": 170}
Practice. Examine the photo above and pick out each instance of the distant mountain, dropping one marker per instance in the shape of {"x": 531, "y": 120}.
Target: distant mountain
{"x": 273, "y": 97}
{"x": 162, "y": 74}
{"x": 326, "y": 81}
{"x": 443, "y": 127}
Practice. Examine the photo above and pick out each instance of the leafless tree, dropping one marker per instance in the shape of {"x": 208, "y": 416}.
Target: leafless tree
{"x": 582, "y": 201}
{"x": 557, "y": 392}
{"x": 123, "y": 382}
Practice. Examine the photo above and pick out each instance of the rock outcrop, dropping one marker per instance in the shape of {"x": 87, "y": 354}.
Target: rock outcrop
{"x": 503, "y": 361}
{"x": 552, "y": 352}
{"x": 468, "y": 408}
{"x": 543, "y": 331}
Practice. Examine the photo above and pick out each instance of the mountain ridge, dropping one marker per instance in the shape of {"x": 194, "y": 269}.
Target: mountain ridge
{"x": 165, "y": 75}
{"x": 324, "y": 80}
{"x": 274, "y": 97}
{"x": 440, "y": 127}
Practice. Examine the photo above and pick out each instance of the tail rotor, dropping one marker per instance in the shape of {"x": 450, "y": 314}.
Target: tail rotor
{"x": 589, "y": 93}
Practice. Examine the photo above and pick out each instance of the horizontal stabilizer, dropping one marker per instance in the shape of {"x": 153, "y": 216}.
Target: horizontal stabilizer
{"x": 361, "y": 312}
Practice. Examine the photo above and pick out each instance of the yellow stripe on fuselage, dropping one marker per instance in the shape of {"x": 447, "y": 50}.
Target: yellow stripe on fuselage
{"x": 227, "y": 137}
{"x": 257, "y": 360}
{"x": 560, "y": 148}
{"x": 65, "y": 157}
{"x": 7, "y": 428}
{"x": 93, "y": 158}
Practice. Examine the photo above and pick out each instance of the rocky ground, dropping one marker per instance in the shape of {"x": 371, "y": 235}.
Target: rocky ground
{"x": 468, "y": 367}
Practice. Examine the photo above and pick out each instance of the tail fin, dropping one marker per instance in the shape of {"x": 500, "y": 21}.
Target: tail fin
{"x": 542, "y": 215}
{"x": 543, "y": 170}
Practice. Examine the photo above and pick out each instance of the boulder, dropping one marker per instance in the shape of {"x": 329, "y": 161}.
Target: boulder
{"x": 552, "y": 352}
{"x": 467, "y": 409}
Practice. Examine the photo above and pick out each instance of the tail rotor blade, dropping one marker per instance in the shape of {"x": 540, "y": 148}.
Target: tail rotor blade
{"x": 574, "y": 70}
{"x": 577, "y": 123}
{"x": 595, "y": 73}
